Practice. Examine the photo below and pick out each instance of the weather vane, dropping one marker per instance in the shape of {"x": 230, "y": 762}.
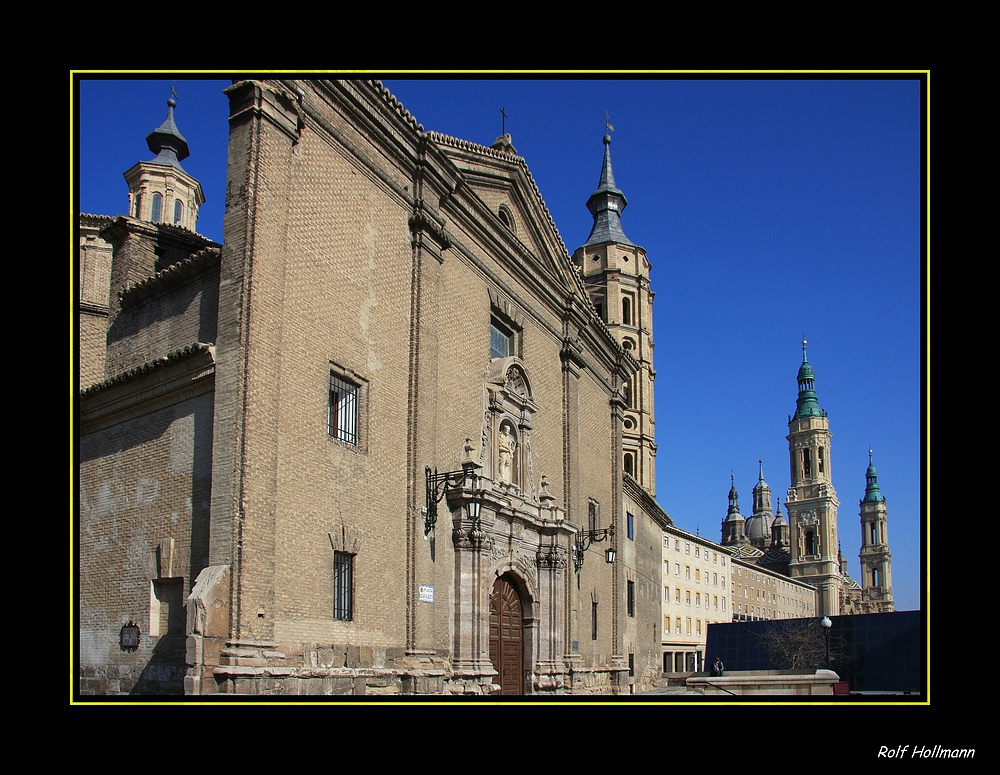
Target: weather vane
{"x": 173, "y": 91}
{"x": 503, "y": 122}
{"x": 607, "y": 122}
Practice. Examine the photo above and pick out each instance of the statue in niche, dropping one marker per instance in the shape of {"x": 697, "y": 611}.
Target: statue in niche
{"x": 505, "y": 454}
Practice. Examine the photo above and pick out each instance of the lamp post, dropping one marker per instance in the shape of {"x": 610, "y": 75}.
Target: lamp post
{"x": 439, "y": 484}
{"x": 586, "y": 538}
{"x": 826, "y": 624}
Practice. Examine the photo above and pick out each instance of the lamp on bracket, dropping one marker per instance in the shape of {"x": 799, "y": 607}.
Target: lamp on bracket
{"x": 439, "y": 484}
{"x": 586, "y": 538}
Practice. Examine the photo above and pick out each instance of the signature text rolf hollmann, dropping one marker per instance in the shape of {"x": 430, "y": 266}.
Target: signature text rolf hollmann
{"x": 925, "y": 752}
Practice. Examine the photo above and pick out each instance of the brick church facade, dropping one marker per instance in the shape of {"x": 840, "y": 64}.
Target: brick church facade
{"x": 378, "y": 442}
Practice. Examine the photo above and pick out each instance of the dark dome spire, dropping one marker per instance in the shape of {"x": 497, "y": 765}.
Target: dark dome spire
{"x": 606, "y": 205}
{"x": 166, "y": 141}
{"x": 734, "y": 499}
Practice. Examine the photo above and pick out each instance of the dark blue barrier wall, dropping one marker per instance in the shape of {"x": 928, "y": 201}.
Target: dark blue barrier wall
{"x": 873, "y": 653}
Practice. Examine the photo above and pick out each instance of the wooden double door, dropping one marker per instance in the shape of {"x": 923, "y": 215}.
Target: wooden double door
{"x": 507, "y": 635}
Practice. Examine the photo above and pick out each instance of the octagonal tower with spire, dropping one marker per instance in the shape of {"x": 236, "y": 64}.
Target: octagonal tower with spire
{"x": 161, "y": 190}
{"x": 616, "y": 273}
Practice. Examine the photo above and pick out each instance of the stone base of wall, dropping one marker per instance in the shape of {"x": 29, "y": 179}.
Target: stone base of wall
{"x": 260, "y": 669}
{"x": 331, "y": 671}
{"x": 118, "y": 680}
{"x": 598, "y": 680}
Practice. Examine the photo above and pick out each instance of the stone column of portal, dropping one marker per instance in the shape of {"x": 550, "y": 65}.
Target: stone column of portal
{"x": 550, "y": 671}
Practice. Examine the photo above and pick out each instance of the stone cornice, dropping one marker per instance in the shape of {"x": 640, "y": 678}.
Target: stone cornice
{"x": 118, "y": 223}
{"x": 91, "y": 308}
{"x": 168, "y": 380}
{"x": 88, "y": 219}
{"x": 393, "y": 102}
{"x": 635, "y": 491}
{"x": 197, "y": 265}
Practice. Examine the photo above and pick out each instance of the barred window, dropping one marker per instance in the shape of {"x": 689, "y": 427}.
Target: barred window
{"x": 343, "y": 586}
{"x": 343, "y": 410}
{"x": 630, "y": 597}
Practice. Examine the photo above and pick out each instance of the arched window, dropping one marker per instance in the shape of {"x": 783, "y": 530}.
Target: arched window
{"x": 627, "y": 311}
{"x": 599, "y": 306}
{"x": 811, "y": 542}
{"x": 157, "y": 207}
{"x": 629, "y": 464}
{"x": 506, "y": 218}
{"x": 138, "y": 206}
{"x": 178, "y": 211}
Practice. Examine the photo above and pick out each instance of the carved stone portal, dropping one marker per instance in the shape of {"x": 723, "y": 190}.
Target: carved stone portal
{"x": 505, "y": 455}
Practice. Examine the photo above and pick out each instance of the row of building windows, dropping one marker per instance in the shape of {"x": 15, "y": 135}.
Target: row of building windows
{"x": 697, "y": 573}
{"x": 687, "y": 598}
{"x": 698, "y": 550}
{"x": 758, "y": 612}
{"x": 687, "y": 623}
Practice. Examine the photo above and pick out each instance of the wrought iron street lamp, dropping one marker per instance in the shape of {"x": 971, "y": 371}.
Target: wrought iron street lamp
{"x": 439, "y": 484}
{"x": 585, "y": 539}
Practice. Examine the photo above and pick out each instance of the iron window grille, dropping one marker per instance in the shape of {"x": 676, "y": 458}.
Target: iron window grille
{"x": 343, "y": 410}
{"x": 343, "y": 586}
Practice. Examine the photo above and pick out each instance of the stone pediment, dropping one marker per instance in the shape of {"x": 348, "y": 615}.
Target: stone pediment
{"x": 505, "y": 197}
{"x": 510, "y": 376}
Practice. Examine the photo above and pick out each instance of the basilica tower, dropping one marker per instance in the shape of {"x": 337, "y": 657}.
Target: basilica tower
{"x": 876, "y": 571}
{"x": 758, "y": 526}
{"x": 812, "y": 502}
{"x": 161, "y": 190}
{"x": 616, "y": 274}
{"x": 734, "y": 526}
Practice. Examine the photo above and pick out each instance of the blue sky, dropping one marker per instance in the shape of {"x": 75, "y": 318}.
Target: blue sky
{"x": 769, "y": 208}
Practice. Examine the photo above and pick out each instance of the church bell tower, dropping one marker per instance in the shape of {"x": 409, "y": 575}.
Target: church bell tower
{"x": 812, "y": 502}
{"x": 616, "y": 274}
{"x": 161, "y": 190}
{"x": 876, "y": 572}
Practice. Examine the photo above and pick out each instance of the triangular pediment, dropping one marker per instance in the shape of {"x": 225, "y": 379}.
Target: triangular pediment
{"x": 500, "y": 193}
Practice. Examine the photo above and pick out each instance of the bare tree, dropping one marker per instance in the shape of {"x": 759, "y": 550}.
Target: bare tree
{"x": 795, "y": 645}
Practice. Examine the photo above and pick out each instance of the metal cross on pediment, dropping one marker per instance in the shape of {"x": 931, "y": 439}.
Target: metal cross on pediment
{"x": 503, "y": 122}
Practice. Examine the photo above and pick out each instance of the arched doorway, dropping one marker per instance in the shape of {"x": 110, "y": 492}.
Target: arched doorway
{"x": 507, "y": 635}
